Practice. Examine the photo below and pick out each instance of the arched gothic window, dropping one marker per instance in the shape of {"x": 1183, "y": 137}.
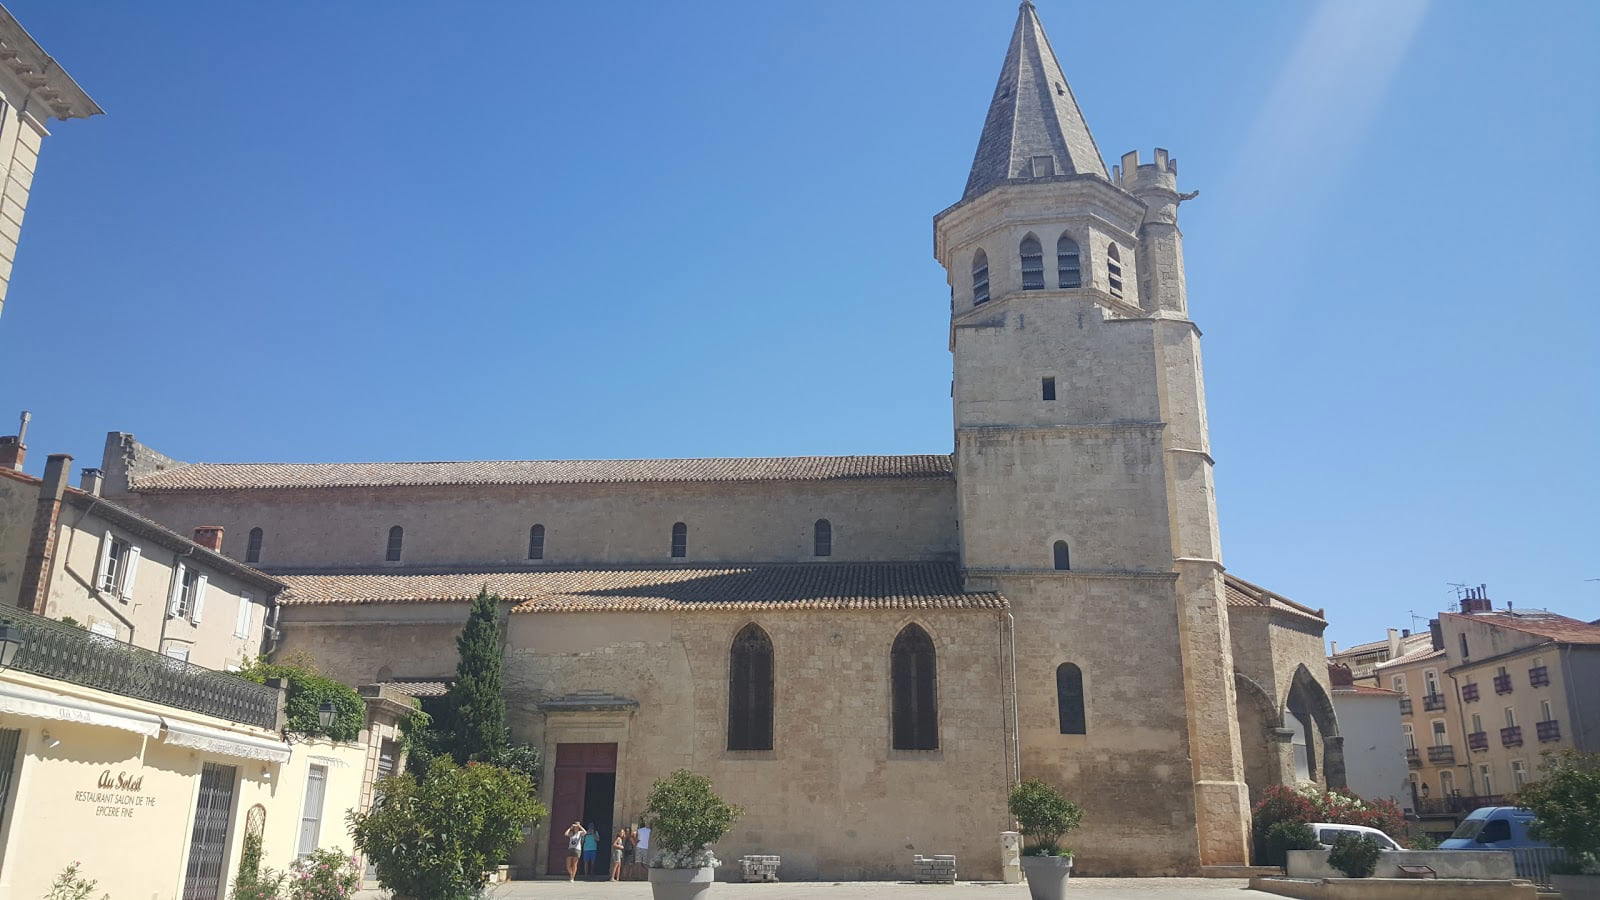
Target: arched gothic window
{"x": 914, "y": 677}
{"x": 980, "y": 278}
{"x": 1069, "y": 273}
{"x": 536, "y": 542}
{"x": 750, "y": 690}
{"x": 680, "y": 540}
{"x": 397, "y": 536}
{"x": 1069, "y": 699}
{"x": 1032, "y": 264}
{"x": 1114, "y": 270}
{"x": 1063, "y": 557}
{"x": 252, "y": 550}
{"x": 822, "y": 538}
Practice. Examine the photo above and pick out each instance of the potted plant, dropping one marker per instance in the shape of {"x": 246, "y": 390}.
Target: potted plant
{"x": 1566, "y": 800}
{"x": 1045, "y": 816}
{"x": 685, "y": 817}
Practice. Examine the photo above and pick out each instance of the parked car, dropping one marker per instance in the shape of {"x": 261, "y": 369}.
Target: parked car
{"x": 1328, "y": 832}
{"x": 1493, "y": 828}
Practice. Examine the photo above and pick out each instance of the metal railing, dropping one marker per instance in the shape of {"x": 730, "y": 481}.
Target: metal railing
{"x": 1549, "y": 730}
{"x": 1413, "y": 757}
{"x": 1469, "y": 692}
{"x": 1502, "y": 684}
{"x": 1455, "y": 803}
{"x": 1539, "y": 676}
{"x": 1433, "y": 702}
{"x": 1478, "y": 740}
{"x": 1511, "y": 737}
{"x": 1533, "y": 863}
{"x": 1445, "y": 754}
{"x": 68, "y": 653}
{"x": 1405, "y": 706}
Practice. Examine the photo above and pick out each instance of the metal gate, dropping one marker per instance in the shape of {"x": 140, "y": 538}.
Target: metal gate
{"x": 208, "y": 845}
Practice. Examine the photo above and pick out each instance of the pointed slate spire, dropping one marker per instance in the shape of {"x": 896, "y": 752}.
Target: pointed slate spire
{"x": 1034, "y": 127}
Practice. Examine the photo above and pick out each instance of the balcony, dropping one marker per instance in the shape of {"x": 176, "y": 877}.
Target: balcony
{"x": 1413, "y": 757}
{"x": 1433, "y": 702}
{"x": 1469, "y": 692}
{"x": 68, "y": 653}
{"x": 1442, "y": 755}
{"x": 1511, "y": 737}
{"x": 1478, "y": 740}
{"x": 1502, "y": 684}
{"x": 1539, "y": 676}
{"x": 1455, "y": 803}
{"x": 1549, "y": 730}
{"x": 1405, "y": 706}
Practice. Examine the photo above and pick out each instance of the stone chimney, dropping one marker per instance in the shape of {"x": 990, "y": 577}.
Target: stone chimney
{"x": 1339, "y": 676}
{"x": 1394, "y": 643}
{"x": 1436, "y": 632}
{"x": 90, "y": 480}
{"x": 1476, "y": 600}
{"x": 40, "y": 562}
{"x": 14, "y": 447}
{"x": 209, "y": 537}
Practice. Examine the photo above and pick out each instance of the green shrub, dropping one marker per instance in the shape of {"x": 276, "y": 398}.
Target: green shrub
{"x": 524, "y": 759}
{"x": 324, "y": 875}
{"x": 685, "y": 816}
{"x": 69, "y": 885}
{"x": 1281, "y": 837}
{"x": 1355, "y": 855}
{"x": 1416, "y": 839}
{"x": 306, "y": 692}
{"x": 435, "y": 837}
{"x": 267, "y": 884}
{"x": 1566, "y": 800}
{"x": 1045, "y": 816}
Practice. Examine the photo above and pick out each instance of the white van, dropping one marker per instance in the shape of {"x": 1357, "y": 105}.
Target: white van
{"x": 1328, "y": 832}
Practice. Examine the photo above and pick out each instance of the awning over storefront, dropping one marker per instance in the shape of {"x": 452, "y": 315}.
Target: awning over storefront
{"x": 215, "y": 740}
{"x": 21, "y": 700}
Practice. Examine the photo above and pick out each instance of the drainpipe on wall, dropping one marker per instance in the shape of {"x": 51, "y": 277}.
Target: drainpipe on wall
{"x": 1008, "y": 697}
{"x": 1461, "y": 719}
{"x": 40, "y": 563}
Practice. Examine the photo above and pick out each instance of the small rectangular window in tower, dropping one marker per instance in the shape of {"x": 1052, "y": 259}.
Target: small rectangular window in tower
{"x": 1047, "y": 387}
{"x": 1044, "y": 166}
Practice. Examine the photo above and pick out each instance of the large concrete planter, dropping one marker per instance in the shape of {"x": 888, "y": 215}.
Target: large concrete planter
{"x": 681, "y": 884}
{"x": 1577, "y": 887}
{"x": 1047, "y": 876}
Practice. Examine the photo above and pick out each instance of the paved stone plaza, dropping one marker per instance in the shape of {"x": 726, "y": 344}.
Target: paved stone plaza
{"x": 1089, "y": 888}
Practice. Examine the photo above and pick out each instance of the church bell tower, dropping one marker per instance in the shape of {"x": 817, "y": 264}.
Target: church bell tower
{"x": 1084, "y": 477}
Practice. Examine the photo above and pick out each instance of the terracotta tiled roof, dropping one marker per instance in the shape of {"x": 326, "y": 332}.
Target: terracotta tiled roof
{"x": 1364, "y": 690}
{"x": 907, "y": 585}
{"x": 418, "y": 687}
{"x": 1417, "y": 655}
{"x": 1244, "y": 594}
{"x": 1539, "y": 623}
{"x": 259, "y": 476}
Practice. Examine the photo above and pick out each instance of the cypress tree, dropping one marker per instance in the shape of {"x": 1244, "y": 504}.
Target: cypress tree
{"x": 477, "y": 705}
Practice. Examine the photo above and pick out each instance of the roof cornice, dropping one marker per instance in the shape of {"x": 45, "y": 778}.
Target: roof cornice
{"x": 43, "y": 77}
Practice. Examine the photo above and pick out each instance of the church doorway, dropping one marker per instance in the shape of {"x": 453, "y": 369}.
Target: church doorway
{"x": 585, "y": 790}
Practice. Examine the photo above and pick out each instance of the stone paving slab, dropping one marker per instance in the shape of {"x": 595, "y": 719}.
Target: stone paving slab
{"x": 1089, "y": 888}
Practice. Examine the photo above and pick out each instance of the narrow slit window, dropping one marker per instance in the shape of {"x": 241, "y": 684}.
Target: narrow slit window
{"x": 1114, "y": 270}
{"x": 980, "y": 278}
{"x": 915, "y": 689}
{"x": 680, "y": 540}
{"x": 536, "y": 542}
{"x": 822, "y": 538}
{"x": 1069, "y": 272}
{"x": 1069, "y": 699}
{"x": 252, "y": 550}
{"x": 1032, "y": 256}
{"x": 750, "y": 690}
{"x": 1063, "y": 557}
{"x": 397, "y": 537}
{"x": 1047, "y": 388}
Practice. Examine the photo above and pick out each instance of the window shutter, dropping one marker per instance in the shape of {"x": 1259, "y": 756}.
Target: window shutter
{"x": 102, "y": 573}
{"x": 199, "y": 599}
{"x": 241, "y": 622}
{"x": 175, "y": 600}
{"x": 130, "y": 571}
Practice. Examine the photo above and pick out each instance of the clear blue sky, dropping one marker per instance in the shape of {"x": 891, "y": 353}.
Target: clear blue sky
{"x": 362, "y": 231}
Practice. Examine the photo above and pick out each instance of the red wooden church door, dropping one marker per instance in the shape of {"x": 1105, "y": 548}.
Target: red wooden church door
{"x": 574, "y": 764}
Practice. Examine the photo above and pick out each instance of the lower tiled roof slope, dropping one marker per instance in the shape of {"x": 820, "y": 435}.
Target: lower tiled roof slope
{"x": 268, "y": 476}
{"x": 1241, "y": 593}
{"x": 895, "y": 585}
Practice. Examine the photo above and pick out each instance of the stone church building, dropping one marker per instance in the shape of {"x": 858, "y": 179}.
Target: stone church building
{"x": 864, "y": 652}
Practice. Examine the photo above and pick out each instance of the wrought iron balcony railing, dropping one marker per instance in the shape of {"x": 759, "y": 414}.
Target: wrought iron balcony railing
{"x": 1405, "y": 706}
{"x": 1512, "y": 736}
{"x": 1502, "y": 684}
{"x": 1455, "y": 803}
{"x": 1442, "y": 755}
{"x": 1478, "y": 740}
{"x": 68, "y": 653}
{"x": 1469, "y": 692}
{"x": 1433, "y": 702}
{"x": 1549, "y": 730}
{"x": 1413, "y": 757}
{"x": 1539, "y": 676}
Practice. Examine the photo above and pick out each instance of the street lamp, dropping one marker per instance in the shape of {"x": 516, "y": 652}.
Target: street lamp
{"x": 325, "y": 714}
{"x": 10, "y": 643}
{"x": 1424, "y": 789}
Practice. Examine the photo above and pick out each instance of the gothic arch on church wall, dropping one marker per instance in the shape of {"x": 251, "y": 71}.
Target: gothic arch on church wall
{"x": 1260, "y": 733}
{"x": 1308, "y": 708}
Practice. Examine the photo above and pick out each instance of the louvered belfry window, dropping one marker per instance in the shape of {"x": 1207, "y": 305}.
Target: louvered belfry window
{"x": 915, "y": 688}
{"x": 980, "y": 278}
{"x": 1069, "y": 271}
{"x": 1114, "y": 270}
{"x": 750, "y": 690}
{"x": 1032, "y": 256}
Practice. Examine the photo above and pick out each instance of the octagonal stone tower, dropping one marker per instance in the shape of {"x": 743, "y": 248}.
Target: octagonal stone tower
{"x": 1084, "y": 475}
